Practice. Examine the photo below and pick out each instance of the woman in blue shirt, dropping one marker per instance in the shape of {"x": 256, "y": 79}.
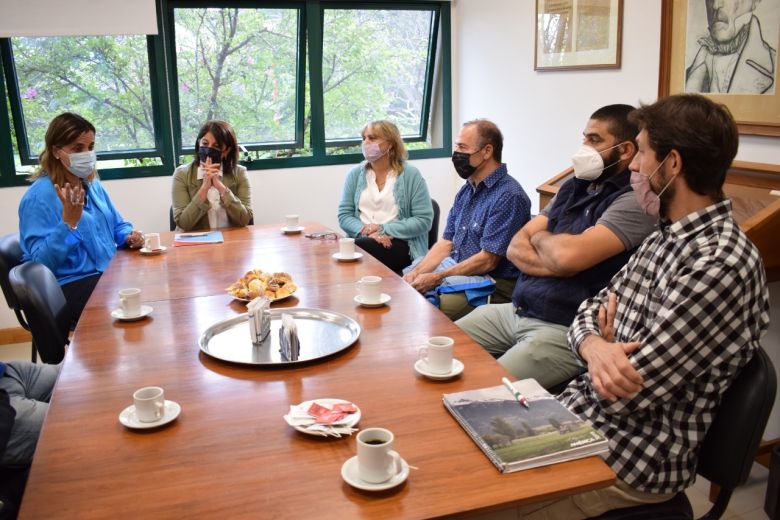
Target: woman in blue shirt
{"x": 385, "y": 205}
{"x": 66, "y": 219}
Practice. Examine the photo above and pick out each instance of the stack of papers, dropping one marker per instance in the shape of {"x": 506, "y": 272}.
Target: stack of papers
{"x": 194, "y": 239}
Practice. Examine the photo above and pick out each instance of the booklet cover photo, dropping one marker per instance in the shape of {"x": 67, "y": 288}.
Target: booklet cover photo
{"x": 516, "y": 437}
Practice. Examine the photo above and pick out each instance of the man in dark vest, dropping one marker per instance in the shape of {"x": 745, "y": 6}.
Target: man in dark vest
{"x": 567, "y": 254}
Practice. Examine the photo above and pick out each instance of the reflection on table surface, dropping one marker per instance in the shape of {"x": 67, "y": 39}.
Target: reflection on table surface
{"x": 230, "y": 453}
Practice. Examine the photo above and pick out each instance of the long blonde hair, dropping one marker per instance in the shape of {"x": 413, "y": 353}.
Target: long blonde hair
{"x": 63, "y": 130}
{"x": 389, "y": 132}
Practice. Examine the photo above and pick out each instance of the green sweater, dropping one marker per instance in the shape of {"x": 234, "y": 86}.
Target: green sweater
{"x": 415, "y": 212}
{"x": 189, "y": 212}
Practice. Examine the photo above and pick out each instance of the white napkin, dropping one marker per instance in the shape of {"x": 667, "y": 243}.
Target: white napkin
{"x": 259, "y": 315}
{"x": 298, "y": 416}
{"x": 289, "y": 345}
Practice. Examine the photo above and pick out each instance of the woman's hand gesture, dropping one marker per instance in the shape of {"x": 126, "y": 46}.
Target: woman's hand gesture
{"x": 72, "y": 199}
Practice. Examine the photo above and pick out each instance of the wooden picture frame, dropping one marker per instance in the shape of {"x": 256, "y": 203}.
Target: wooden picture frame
{"x": 755, "y": 113}
{"x": 578, "y": 34}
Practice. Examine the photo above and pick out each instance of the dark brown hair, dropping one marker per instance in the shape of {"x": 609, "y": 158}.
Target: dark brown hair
{"x": 616, "y": 117}
{"x": 703, "y": 133}
{"x": 488, "y": 133}
{"x": 225, "y": 136}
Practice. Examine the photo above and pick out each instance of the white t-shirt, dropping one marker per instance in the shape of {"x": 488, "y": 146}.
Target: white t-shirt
{"x": 378, "y": 207}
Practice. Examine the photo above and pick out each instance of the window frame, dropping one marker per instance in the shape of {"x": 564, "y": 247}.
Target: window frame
{"x": 430, "y": 66}
{"x": 163, "y": 78}
{"x": 26, "y": 156}
{"x": 173, "y": 76}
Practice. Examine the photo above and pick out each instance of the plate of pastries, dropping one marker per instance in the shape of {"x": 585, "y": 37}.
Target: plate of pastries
{"x": 256, "y": 282}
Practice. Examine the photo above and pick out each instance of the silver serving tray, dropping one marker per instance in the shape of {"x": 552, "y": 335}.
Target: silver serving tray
{"x": 321, "y": 333}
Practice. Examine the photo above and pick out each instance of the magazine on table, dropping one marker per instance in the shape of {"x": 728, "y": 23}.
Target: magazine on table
{"x": 197, "y": 238}
{"x": 518, "y": 436}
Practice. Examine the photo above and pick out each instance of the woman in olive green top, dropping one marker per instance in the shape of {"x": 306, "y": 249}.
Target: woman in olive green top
{"x": 213, "y": 190}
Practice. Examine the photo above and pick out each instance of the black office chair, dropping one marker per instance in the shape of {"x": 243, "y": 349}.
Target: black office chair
{"x": 729, "y": 447}
{"x": 172, "y": 223}
{"x": 41, "y": 300}
{"x": 10, "y": 257}
{"x": 433, "y": 234}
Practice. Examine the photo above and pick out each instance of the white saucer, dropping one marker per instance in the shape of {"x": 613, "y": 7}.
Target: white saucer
{"x": 129, "y": 419}
{"x": 350, "y": 421}
{"x": 383, "y": 299}
{"x": 420, "y": 367}
{"x": 292, "y": 231}
{"x": 349, "y": 472}
{"x": 356, "y": 256}
{"x": 152, "y": 252}
{"x": 118, "y": 314}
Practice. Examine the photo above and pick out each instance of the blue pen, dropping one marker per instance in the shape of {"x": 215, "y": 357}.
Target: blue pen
{"x": 520, "y": 397}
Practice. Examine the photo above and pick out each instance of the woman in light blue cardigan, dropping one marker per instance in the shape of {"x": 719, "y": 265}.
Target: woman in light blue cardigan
{"x": 385, "y": 205}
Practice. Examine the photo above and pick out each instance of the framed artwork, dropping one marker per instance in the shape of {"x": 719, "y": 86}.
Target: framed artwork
{"x": 727, "y": 51}
{"x": 578, "y": 34}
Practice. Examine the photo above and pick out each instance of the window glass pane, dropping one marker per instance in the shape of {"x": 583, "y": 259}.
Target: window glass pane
{"x": 374, "y": 64}
{"x": 103, "y": 78}
{"x": 239, "y": 65}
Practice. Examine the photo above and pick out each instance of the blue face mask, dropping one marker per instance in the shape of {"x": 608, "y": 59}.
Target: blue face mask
{"x": 82, "y": 164}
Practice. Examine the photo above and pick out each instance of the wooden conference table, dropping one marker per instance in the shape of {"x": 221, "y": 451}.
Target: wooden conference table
{"x": 230, "y": 454}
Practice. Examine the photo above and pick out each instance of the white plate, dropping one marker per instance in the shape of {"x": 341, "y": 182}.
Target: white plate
{"x": 421, "y": 368}
{"x": 383, "y": 299}
{"x": 349, "y": 472}
{"x": 292, "y": 231}
{"x": 118, "y": 314}
{"x": 152, "y": 252}
{"x": 129, "y": 419}
{"x": 351, "y": 420}
{"x": 356, "y": 256}
{"x": 272, "y": 301}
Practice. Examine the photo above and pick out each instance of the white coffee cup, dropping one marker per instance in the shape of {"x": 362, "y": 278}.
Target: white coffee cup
{"x": 130, "y": 301}
{"x": 291, "y": 222}
{"x": 377, "y": 462}
{"x": 149, "y": 403}
{"x": 152, "y": 241}
{"x": 346, "y": 247}
{"x": 437, "y": 354}
{"x": 370, "y": 289}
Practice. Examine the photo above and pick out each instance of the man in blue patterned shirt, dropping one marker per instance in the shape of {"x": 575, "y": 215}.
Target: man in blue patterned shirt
{"x": 668, "y": 335}
{"x": 487, "y": 212}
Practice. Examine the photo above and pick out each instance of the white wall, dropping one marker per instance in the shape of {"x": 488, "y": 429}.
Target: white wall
{"x": 542, "y": 114}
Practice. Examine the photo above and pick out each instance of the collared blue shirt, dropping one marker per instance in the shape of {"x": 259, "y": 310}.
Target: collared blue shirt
{"x": 486, "y": 217}
{"x": 70, "y": 255}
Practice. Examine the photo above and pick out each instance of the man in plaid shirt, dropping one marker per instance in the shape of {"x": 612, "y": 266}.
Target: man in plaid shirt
{"x": 667, "y": 336}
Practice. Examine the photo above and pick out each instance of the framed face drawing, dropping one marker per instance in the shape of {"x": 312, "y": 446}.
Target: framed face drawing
{"x": 726, "y": 50}
{"x": 578, "y": 34}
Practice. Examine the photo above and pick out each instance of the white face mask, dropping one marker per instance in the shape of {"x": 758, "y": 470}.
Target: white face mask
{"x": 82, "y": 164}
{"x": 588, "y": 162}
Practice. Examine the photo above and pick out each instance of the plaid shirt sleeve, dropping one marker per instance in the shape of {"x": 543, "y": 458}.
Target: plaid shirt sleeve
{"x": 696, "y": 299}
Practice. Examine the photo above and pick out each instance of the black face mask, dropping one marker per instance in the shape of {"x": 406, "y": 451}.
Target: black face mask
{"x": 205, "y": 152}
{"x": 460, "y": 160}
